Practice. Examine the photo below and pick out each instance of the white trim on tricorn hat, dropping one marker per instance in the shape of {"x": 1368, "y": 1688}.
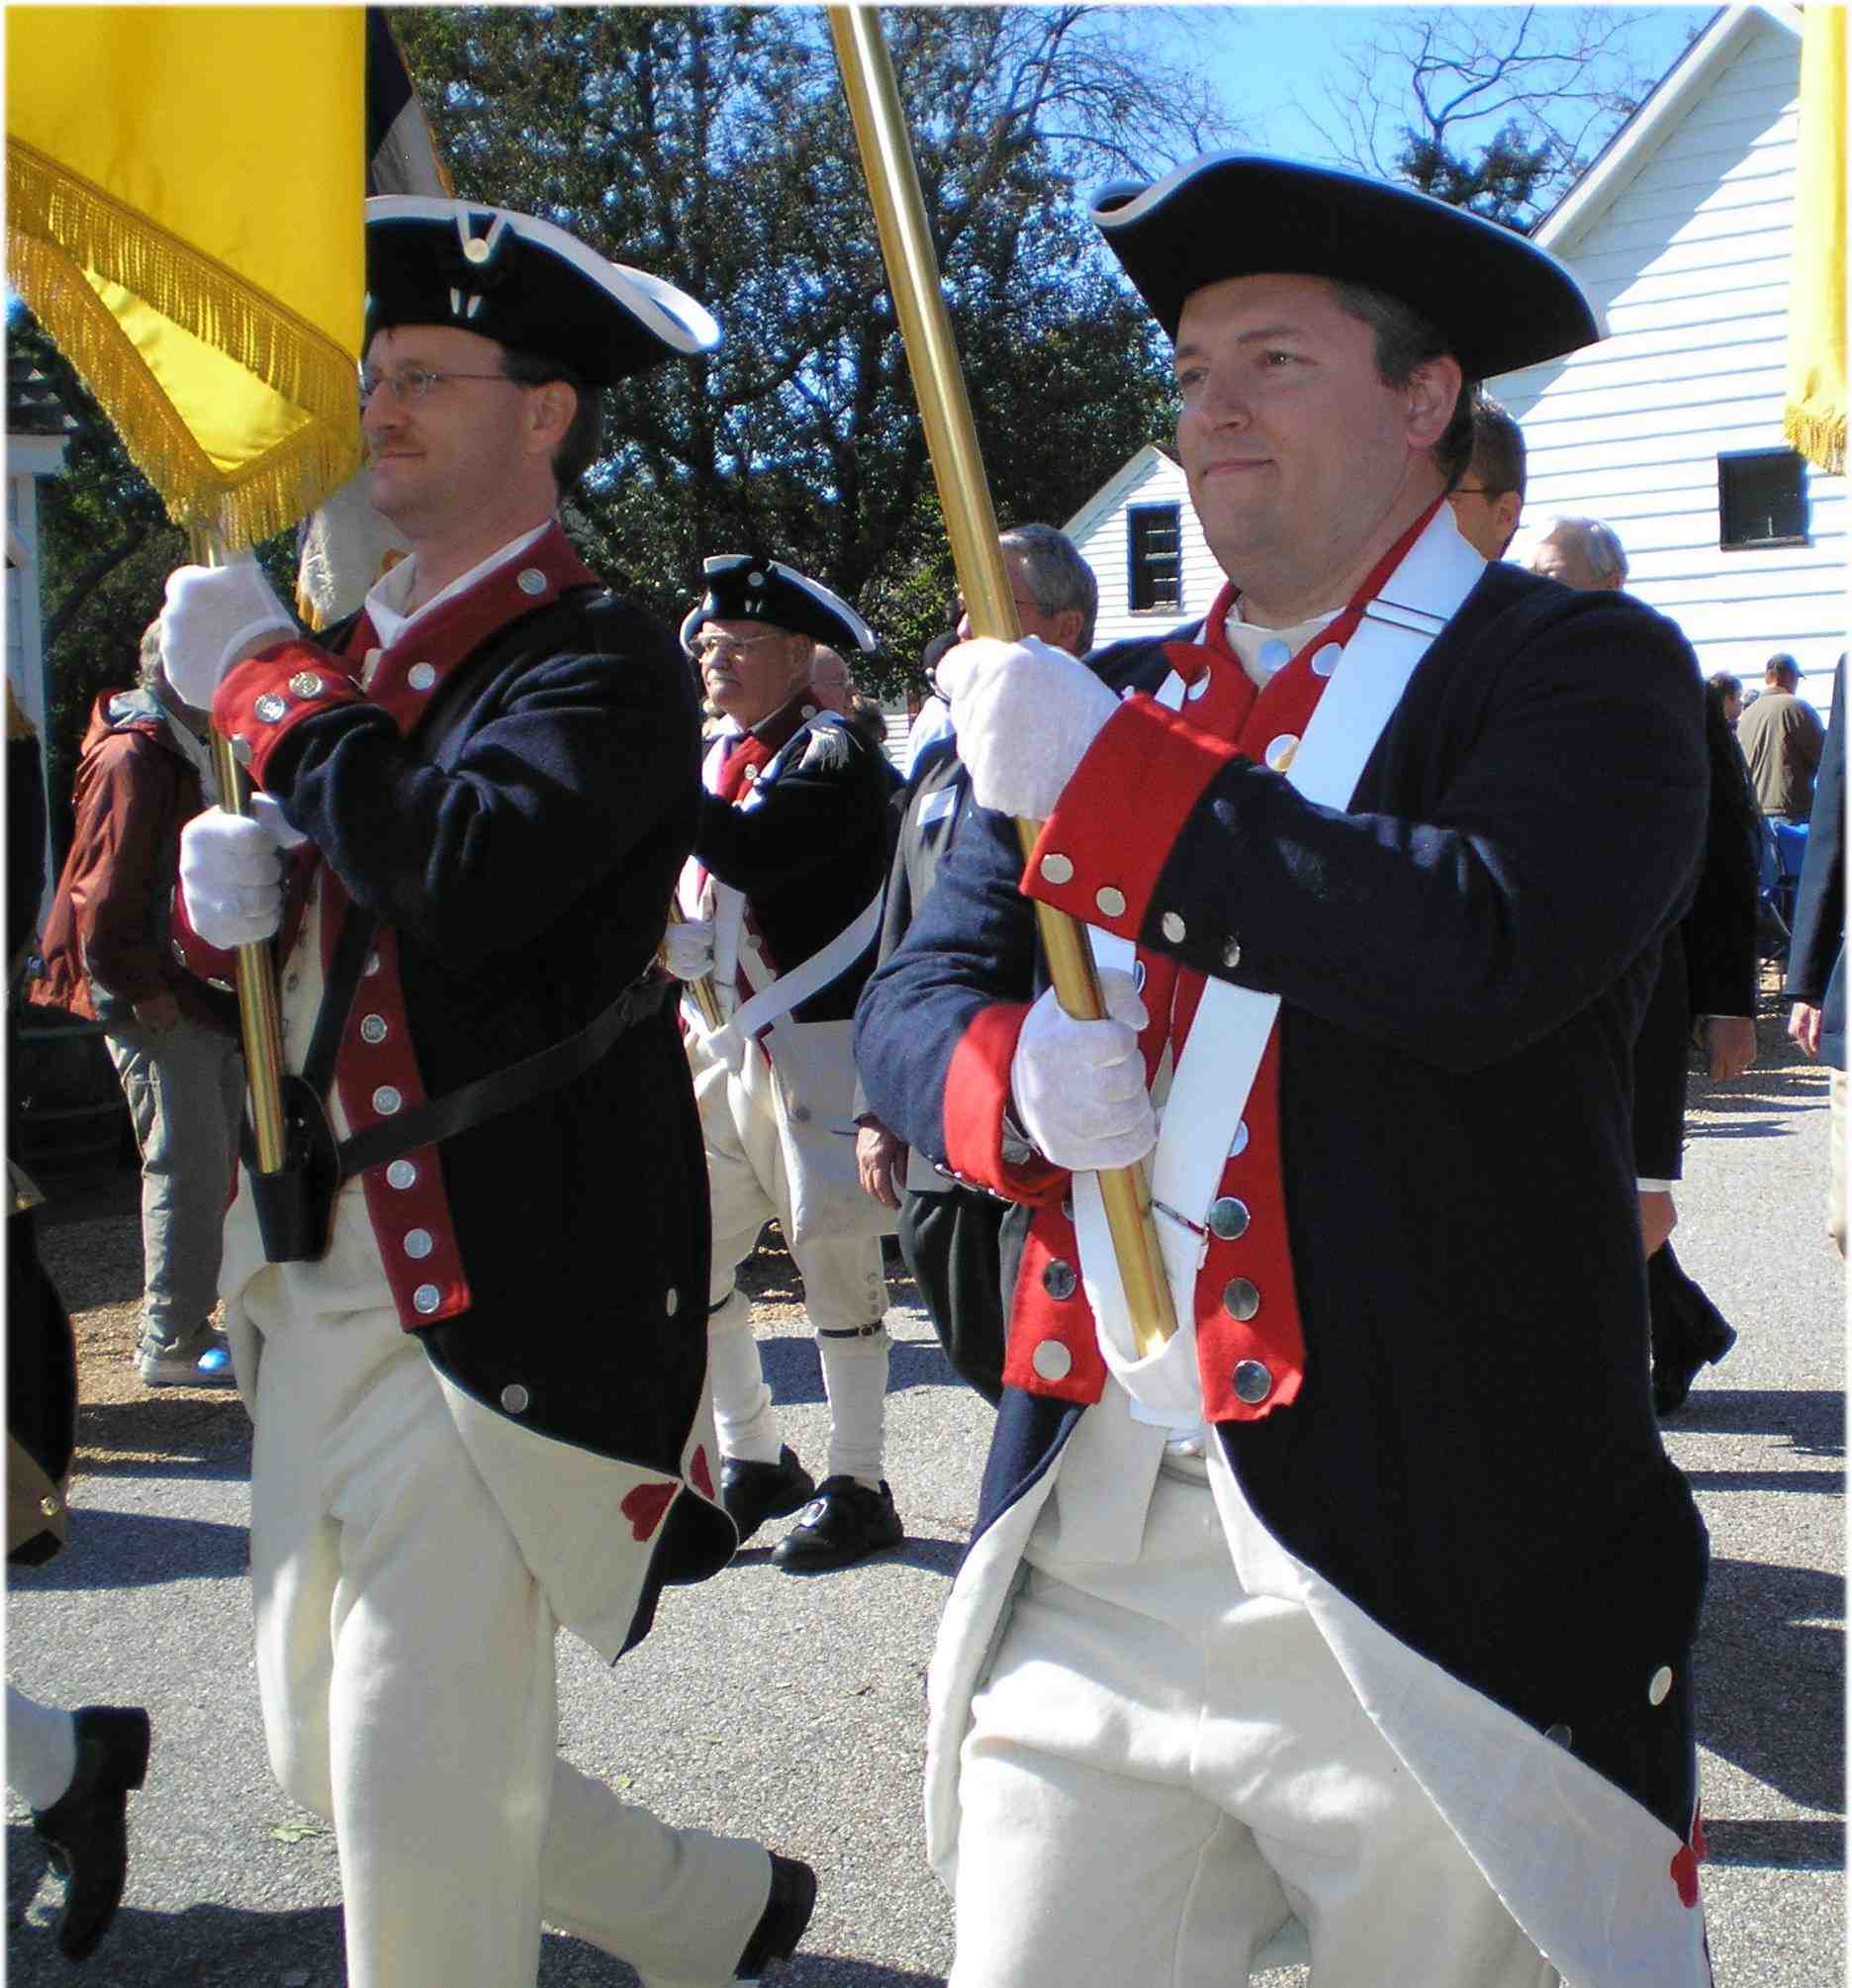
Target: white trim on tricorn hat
{"x": 741, "y": 586}
{"x": 1499, "y": 301}
{"x": 525, "y": 283}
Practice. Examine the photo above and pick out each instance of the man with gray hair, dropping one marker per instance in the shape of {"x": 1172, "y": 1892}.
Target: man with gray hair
{"x": 1056, "y": 599}
{"x": 1583, "y": 554}
{"x": 950, "y": 1234}
{"x": 1782, "y": 738}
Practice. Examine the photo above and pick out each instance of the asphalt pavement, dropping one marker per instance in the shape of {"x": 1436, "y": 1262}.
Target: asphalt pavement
{"x": 791, "y": 1709}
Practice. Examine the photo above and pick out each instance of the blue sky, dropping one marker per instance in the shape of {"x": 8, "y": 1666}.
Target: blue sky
{"x": 1264, "y": 58}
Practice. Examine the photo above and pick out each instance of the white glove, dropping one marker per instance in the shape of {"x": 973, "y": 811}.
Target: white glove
{"x": 231, "y": 878}
{"x": 688, "y": 949}
{"x": 215, "y": 616}
{"x": 1079, "y": 1085}
{"x": 1025, "y": 714}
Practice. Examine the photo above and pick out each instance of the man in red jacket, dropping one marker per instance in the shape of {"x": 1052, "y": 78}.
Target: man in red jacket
{"x": 171, "y": 1037}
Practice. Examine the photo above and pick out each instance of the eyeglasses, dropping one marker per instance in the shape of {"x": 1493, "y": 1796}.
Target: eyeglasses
{"x": 713, "y": 647}
{"x": 409, "y": 384}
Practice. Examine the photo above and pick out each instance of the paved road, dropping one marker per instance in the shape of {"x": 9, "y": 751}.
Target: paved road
{"x": 792, "y": 1709}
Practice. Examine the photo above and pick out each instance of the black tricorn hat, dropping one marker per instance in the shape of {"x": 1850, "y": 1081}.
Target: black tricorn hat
{"x": 1498, "y": 300}
{"x": 525, "y": 283}
{"x": 741, "y": 586}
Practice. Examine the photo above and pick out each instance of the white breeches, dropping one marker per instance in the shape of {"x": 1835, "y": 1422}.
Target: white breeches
{"x": 844, "y": 1288}
{"x": 404, "y": 1656}
{"x": 1161, "y": 1767}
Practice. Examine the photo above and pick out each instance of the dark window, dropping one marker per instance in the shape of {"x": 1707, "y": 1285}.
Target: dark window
{"x": 1153, "y": 536}
{"x": 1761, "y": 499}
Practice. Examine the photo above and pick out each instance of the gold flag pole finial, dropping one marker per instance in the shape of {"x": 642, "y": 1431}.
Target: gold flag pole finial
{"x": 971, "y": 523}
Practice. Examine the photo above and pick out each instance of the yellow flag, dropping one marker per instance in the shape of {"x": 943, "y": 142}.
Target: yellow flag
{"x": 1814, "y": 422}
{"x": 184, "y": 217}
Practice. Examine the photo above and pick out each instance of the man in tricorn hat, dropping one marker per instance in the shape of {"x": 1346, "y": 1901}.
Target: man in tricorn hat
{"x": 481, "y": 1395}
{"x": 1369, "y": 1597}
{"x": 781, "y": 904}
{"x": 781, "y": 907}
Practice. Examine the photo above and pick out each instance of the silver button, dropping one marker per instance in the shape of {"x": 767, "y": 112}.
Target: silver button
{"x": 1280, "y": 751}
{"x": 1061, "y": 1281}
{"x": 476, "y": 248}
{"x": 1227, "y": 1218}
{"x": 1559, "y": 1734}
{"x": 306, "y": 684}
{"x": 402, "y": 1173}
{"x": 1660, "y": 1688}
{"x": 421, "y": 676}
{"x": 1252, "y": 1382}
{"x": 270, "y": 706}
{"x": 1323, "y": 664}
{"x": 373, "y": 1028}
{"x": 426, "y": 1298}
{"x": 372, "y": 964}
{"x": 1231, "y": 954}
{"x": 1239, "y": 1144}
{"x": 1240, "y": 1300}
{"x": 418, "y": 1244}
{"x": 1110, "y": 902}
{"x": 1274, "y": 654}
{"x": 808, "y": 711}
{"x": 530, "y": 579}
{"x": 672, "y": 1302}
{"x": 800, "y": 1115}
{"x": 386, "y": 1100}
{"x": 1051, "y": 1360}
{"x": 1057, "y": 869}
{"x": 1172, "y": 927}
{"x": 48, "y": 1506}
{"x": 515, "y": 1397}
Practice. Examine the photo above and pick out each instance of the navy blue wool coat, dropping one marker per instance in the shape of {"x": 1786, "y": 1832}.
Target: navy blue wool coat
{"x": 1463, "y": 958}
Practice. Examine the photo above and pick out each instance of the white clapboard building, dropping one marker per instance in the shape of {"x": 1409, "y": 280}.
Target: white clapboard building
{"x": 1669, "y": 430}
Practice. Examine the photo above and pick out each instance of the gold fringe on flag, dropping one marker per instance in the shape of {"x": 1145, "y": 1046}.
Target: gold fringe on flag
{"x": 61, "y": 230}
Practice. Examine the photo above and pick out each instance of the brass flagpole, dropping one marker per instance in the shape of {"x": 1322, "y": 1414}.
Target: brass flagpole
{"x": 258, "y": 1012}
{"x": 971, "y": 523}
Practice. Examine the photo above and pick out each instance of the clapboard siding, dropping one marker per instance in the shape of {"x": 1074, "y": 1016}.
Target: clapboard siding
{"x": 1686, "y": 239}
{"x": 1101, "y": 529}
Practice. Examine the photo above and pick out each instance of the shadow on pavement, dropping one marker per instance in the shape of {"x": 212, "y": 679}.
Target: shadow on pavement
{"x": 1771, "y": 1680}
{"x": 792, "y": 1373}
{"x": 1776, "y": 1845}
{"x": 1813, "y": 1420}
{"x": 137, "y": 1549}
{"x": 164, "y": 1950}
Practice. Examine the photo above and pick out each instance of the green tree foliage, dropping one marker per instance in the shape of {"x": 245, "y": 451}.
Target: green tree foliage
{"x": 1509, "y": 104}
{"x": 712, "y": 147}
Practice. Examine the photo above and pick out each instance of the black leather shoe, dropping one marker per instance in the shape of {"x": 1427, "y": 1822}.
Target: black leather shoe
{"x": 87, "y": 1827}
{"x": 755, "y": 1493}
{"x": 844, "y": 1523}
{"x": 787, "y": 1911}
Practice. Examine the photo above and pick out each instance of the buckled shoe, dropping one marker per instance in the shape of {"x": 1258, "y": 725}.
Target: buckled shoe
{"x": 844, "y": 1523}
{"x": 754, "y": 1492}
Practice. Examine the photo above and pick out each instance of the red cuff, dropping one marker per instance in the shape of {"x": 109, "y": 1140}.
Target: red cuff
{"x": 1101, "y": 852}
{"x": 977, "y": 1095}
{"x": 263, "y": 697}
